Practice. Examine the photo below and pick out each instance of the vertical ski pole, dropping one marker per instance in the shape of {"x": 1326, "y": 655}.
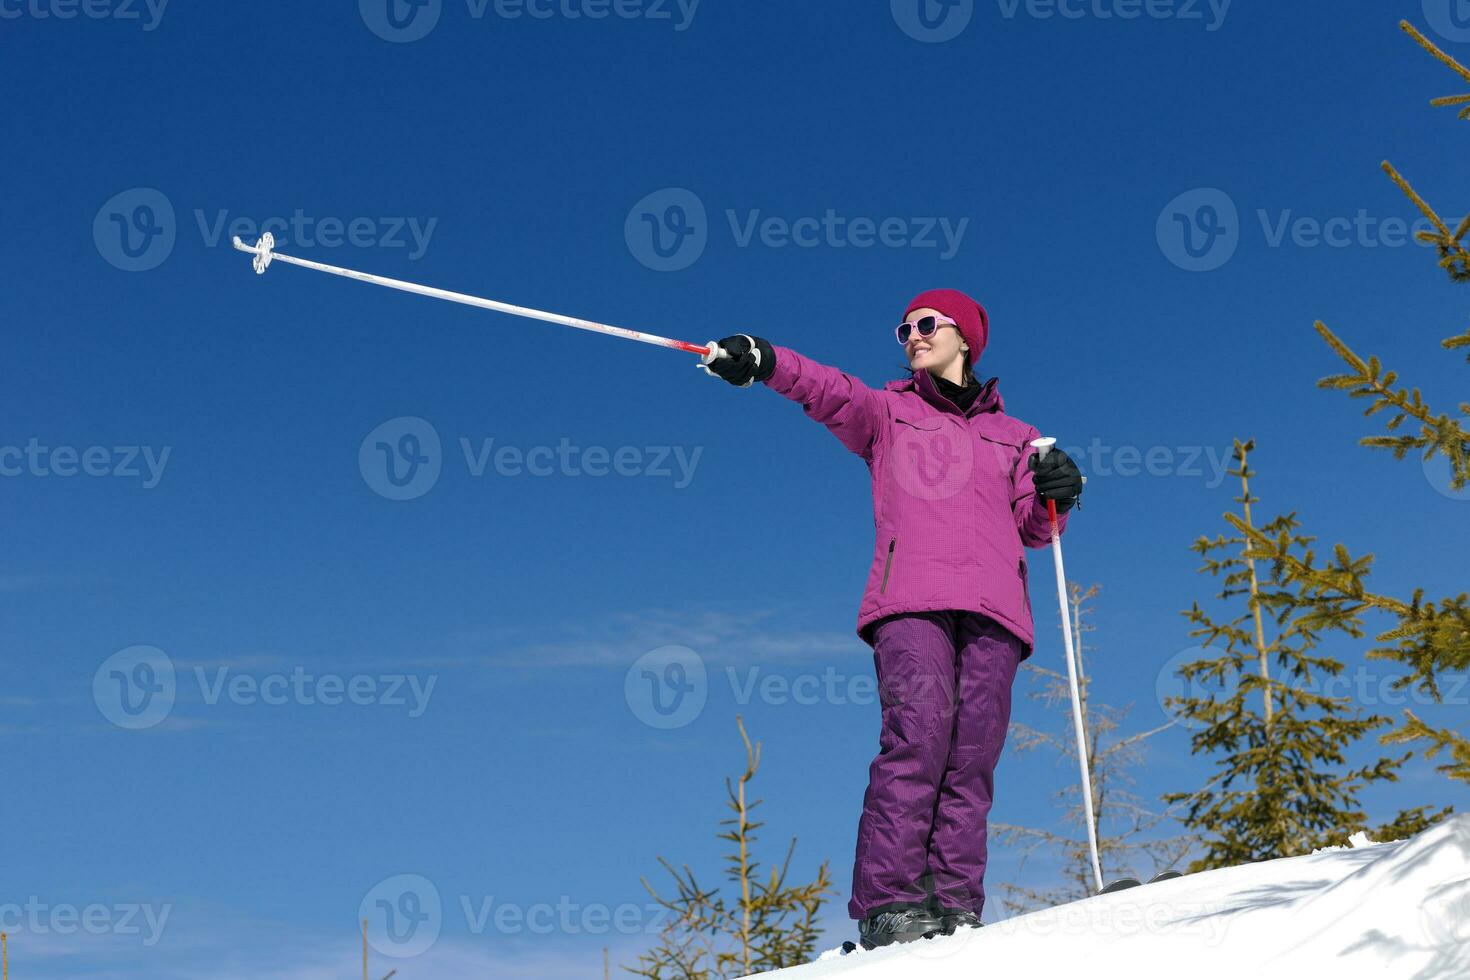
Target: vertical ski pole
{"x": 1044, "y": 446}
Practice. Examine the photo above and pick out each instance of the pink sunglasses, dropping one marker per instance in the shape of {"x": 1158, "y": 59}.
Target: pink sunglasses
{"x": 926, "y": 325}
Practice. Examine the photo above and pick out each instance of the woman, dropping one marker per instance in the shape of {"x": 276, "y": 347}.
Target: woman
{"x": 958, "y": 493}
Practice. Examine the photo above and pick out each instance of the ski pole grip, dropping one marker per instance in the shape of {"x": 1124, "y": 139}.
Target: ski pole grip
{"x": 1043, "y": 446}
{"x": 715, "y": 353}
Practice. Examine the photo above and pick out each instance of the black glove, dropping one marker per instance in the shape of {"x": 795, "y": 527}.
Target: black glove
{"x": 1057, "y": 478}
{"x": 750, "y": 359}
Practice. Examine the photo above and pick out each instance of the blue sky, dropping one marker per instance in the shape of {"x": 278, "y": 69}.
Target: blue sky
{"x": 449, "y": 686}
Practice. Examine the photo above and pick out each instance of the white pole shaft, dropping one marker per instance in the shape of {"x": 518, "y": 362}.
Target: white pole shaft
{"x": 484, "y": 304}
{"x": 1077, "y": 721}
{"x": 1044, "y": 446}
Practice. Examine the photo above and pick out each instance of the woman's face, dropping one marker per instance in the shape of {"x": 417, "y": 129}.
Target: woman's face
{"x": 937, "y": 351}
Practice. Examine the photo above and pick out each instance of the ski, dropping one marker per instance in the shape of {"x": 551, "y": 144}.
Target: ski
{"x": 1120, "y": 885}
{"x": 1123, "y": 884}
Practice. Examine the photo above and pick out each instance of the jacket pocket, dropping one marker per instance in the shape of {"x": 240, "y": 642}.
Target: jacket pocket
{"x": 1000, "y": 455}
{"x": 888, "y": 564}
{"x": 929, "y": 424}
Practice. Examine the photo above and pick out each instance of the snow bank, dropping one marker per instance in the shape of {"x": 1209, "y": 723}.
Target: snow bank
{"x": 1399, "y": 910}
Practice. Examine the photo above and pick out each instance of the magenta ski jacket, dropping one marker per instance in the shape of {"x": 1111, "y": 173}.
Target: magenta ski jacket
{"x": 954, "y": 504}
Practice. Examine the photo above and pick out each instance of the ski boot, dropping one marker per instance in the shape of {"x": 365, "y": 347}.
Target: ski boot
{"x": 903, "y": 925}
{"x": 953, "y": 919}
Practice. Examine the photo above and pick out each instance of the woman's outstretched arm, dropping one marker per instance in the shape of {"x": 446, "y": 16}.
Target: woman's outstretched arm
{"x": 850, "y": 409}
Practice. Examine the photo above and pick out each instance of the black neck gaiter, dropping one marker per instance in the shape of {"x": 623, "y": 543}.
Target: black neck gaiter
{"x": 962, "y": 395}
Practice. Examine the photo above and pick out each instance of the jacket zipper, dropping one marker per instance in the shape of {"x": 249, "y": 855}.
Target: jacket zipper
{"x": 883, "y": 589}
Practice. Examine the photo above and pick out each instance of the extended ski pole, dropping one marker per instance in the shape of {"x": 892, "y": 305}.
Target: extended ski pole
{"x": 265, "y": 253}
{"x": 1044, "y": 446}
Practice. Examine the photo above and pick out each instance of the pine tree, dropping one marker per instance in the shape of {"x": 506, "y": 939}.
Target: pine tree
{"x": 1283, "y": 785}
{"x": 766, "y": 926}
{"x": 1431, "y": 639}
{"x": 1123, "y": 823}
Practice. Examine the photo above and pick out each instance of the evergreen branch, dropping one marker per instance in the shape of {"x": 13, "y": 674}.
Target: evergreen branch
{"x": 1438, "y": 434}
{"x": 1452, "y": 255}
{"x": 1430, "y": 46}
{"x": 1439, "y": 739}
{"x": 1461, "y": 340}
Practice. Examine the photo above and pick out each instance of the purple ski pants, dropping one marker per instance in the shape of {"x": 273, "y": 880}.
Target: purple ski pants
{"x": 944, "y": 680}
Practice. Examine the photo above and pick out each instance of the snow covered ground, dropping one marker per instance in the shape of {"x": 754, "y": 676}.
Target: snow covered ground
{"x": 1399, "y": 910}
